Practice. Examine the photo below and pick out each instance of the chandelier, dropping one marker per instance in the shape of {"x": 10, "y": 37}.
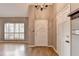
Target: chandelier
{"x": 41, "y": 6}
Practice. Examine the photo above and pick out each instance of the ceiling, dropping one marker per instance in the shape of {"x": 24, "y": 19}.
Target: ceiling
{"x": 14, "y": 10}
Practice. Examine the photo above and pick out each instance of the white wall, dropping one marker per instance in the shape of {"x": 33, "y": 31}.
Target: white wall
{"x": 13, "y": 10}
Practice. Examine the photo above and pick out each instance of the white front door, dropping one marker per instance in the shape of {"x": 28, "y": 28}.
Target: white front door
{"x": 66, "y": 38}
{"x": 41, "y": 32}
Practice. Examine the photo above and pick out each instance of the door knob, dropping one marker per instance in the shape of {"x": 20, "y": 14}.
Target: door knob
{"x": 67, "y": 41}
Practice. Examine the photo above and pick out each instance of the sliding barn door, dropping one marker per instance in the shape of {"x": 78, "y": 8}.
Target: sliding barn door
{"x": 41, "y": 32}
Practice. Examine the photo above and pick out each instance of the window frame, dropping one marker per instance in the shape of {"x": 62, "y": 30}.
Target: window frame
{"x": 14, "y": 32}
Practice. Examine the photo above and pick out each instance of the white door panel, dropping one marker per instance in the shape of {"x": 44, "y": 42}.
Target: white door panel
{"x": 41, "y": 32}
{"x": 66, "y": 38}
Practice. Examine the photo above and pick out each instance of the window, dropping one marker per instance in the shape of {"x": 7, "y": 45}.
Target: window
{"x": 14, "y": 31}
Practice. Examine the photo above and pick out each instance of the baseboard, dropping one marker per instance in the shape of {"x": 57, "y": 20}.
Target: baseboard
{"x": 54, "y": 49}
{"x": 31, "y": 45}
{"x": 36, "y": 46}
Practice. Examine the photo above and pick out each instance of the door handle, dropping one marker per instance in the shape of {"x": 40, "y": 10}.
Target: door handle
{"x": 67, "y": 41}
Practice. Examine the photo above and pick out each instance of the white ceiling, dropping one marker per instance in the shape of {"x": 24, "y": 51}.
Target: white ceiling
{"x": 13, "y": 10}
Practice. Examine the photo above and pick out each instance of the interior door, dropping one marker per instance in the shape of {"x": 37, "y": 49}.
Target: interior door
{"x": 41, "y": 32}
{"x": 66, "y": 38}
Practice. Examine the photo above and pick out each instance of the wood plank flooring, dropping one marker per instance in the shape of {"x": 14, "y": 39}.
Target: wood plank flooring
{"x": 42, "y": 51}
{"x": 25, "y": 50}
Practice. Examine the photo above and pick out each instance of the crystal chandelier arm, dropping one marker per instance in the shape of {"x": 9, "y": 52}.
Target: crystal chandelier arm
{"x": 41, "y": 6}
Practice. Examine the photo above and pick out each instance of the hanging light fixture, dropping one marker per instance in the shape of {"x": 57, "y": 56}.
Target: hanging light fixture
{"x": 41, "y": 6}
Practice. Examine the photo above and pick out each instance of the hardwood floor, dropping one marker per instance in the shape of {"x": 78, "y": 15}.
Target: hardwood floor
{"x": 25, "y": 50}
{"x": 42, "y": 51}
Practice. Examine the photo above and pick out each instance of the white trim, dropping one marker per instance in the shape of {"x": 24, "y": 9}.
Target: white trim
{"x": 31, "y": 45}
